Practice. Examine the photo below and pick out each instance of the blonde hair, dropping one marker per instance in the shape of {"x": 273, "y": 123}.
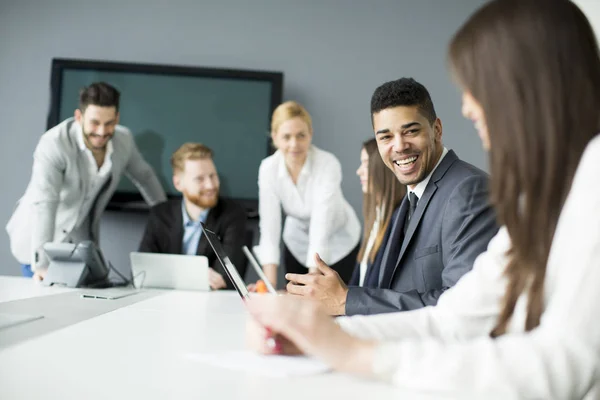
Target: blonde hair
{"x": 189, "y": 151}
{"x": 288, "y": 110}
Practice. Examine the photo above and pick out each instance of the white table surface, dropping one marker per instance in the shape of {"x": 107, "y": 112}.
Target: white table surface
{"x": 18, "y": 288}
{"x": 139, "y": 352}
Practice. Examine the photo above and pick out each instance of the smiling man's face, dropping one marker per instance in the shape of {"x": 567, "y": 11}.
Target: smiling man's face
{"x": 408, "y": 143}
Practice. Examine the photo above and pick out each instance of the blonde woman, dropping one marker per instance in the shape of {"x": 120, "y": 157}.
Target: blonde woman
{"x": 303, "y": 181}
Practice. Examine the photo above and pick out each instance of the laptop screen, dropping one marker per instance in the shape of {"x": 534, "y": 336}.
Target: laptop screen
{"x": 228, "y": 266}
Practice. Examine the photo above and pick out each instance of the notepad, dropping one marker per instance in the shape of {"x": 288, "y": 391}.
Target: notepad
{"x": 272, "y": 365}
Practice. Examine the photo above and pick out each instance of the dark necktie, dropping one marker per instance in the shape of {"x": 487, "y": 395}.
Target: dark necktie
{"x": 413, "y": 199}
{"x": 395, "y": 243}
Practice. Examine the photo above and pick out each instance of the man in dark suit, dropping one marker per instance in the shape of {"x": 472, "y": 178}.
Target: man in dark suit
{"x": 443, "y": 223}
{"x": 174, "y": 226}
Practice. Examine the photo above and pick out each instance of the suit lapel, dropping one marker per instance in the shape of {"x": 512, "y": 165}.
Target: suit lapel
{"x": 202, "y": 245}
{"x": 394, "y": 243}
{"x": 82, "y": 163}
{"x": 176, "y": 239}
{"x": 416, "y": 218}
{"x": 82, "y": 166}
{"x": 423, "y": 203}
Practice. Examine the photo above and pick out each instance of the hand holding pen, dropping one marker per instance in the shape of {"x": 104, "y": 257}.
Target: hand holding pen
{"x": 270, "y": 340}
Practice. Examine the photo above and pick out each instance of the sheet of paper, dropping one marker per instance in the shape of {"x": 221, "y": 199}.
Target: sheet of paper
{"x": 272, "y": 366}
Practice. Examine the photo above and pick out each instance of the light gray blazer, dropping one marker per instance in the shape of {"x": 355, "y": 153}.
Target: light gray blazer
{"x": 51, "y": 206}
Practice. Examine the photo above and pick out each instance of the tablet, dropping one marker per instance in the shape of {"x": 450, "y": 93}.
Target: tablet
{"x": 230, "y": 269}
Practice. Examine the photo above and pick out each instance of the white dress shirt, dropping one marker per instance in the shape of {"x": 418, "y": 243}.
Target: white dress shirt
{"x": 96, "y": 178}
{"x": 95, "y": 174}
{"x": 446, "y": 349}
{"x": 419, "y": 188}
{"x": 364, "y": 263}
{"x": 318, "y": 217}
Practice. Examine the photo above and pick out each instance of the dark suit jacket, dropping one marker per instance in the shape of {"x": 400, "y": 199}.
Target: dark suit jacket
{"x": 372, "y": 275}
{"x": 451, "y": 226}
{"x": 164, "y": 233}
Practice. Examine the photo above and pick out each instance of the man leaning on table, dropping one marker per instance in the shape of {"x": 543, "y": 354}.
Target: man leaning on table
{"x": 77, "y": 166}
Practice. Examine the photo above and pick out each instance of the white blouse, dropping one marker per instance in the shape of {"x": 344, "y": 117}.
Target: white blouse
{"x": 318, "y": 217}
{"x": 446, "y": 349}
{"x": 364, "y": 263}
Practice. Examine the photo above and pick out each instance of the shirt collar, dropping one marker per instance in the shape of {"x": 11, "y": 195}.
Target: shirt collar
{"x": 187, "y": 221}
{"x": 306, "y": 168}
{"x": 420, "y": 188}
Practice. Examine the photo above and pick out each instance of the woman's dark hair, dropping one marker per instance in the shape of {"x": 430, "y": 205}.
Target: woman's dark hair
{"x": 535, "y": 70}
{"x": 384, "y": 191}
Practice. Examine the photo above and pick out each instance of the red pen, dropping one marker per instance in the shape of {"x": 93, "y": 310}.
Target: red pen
{"x": 272, "y": 343}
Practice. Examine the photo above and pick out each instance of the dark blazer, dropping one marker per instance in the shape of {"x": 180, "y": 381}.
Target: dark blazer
{"x": 372, "y": 275}
{"x": 164, "y": 233}
{"x": 451, "y": 226}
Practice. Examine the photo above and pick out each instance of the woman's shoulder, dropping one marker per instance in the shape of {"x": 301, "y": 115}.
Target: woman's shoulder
{"x": 589, "y": 167}
{"x": 586, "y": 175}
{"x": 592, "y": 150}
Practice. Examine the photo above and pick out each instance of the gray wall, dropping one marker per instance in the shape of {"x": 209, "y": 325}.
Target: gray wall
{"x": 333, "y": 53}
{"x": 591, "y": 9}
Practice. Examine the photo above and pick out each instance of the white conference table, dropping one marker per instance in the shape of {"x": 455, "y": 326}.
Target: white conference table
{"x": 17, "y": 288}
{"x": 139, "y": 351}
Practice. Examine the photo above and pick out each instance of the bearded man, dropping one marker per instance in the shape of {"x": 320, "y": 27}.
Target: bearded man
{"x": 174, "y": 226}
{"x": 77, "y": 166}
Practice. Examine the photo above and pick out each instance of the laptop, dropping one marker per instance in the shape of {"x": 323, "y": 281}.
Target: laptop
{"x": 169, "y": 271}
{"x": 230, "y": 269}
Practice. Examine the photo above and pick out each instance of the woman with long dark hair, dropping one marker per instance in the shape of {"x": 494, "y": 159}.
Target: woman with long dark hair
{"x": 382, "y": 193}
{"x": 523, "y": 323}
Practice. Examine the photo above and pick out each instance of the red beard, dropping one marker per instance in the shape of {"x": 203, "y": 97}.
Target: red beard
{"x": 201, "y": 201}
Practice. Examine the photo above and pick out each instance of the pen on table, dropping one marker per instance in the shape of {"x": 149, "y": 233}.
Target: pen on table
{"x": 271, "y": 342}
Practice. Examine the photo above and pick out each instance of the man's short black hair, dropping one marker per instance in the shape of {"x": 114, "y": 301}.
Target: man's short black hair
{"x": 99, "y": 94}
{"x": 405, "y": 92}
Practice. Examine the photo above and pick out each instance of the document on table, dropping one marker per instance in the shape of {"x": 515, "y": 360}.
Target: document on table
{"x": 273, "y": 366}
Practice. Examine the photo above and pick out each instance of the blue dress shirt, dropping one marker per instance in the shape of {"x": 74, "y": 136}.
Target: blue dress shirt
{"x": 191, "y": 230}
